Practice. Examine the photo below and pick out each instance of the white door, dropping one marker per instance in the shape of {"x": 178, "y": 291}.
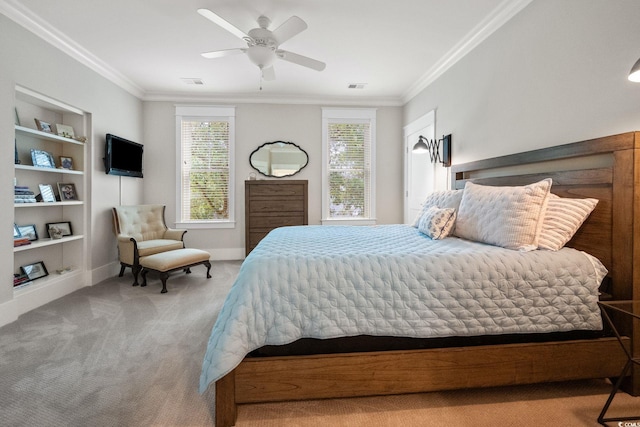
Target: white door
{"x": 420, "y": 173}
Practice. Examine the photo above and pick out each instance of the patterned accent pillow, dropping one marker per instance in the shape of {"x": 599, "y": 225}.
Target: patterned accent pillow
{"x": 440, "y": 199}
{"x": 563, "y": 218}
{"x": 437, "y": 223}
{"x": 510, "y": 217}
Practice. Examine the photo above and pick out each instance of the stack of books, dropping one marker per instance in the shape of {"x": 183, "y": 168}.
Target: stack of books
{"x": 20, "y": 241}
{"x": 22, "y": 194}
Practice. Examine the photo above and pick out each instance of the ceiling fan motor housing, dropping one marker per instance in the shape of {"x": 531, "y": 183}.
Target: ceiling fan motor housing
{"x": 262, "y": 49}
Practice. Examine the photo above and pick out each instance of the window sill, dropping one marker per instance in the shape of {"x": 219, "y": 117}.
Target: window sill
{"x": 344, "y": 221}
{"x": 206, "y": 224}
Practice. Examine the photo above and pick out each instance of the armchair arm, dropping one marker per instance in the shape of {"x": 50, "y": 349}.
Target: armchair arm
{"x": 174, "y": 234}
{"x": 128, "y": 249}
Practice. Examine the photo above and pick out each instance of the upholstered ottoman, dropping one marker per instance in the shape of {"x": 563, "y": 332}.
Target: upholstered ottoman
{"x": 167, "y": 262}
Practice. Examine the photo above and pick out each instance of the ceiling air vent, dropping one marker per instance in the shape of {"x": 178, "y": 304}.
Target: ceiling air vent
{"x": 356, "y": 85}
{"x": 192, "y": 81}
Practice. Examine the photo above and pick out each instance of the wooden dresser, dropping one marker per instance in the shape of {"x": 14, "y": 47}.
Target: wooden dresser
{"x": 271, "y": 204}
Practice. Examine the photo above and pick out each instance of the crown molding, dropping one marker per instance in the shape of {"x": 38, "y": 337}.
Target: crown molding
{"x": 238, "y": 98}
{"x": 32, "y": 22}
{"x": 500, "y": 16}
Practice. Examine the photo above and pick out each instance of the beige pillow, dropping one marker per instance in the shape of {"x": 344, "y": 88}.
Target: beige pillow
{"x": 437, "y": 223}
{"x": 440, "y": 199}
{"x": 510, "y": 217}
{"x": 563, "y": 218}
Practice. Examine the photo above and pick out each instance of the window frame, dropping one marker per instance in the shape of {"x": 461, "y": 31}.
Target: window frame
{"x": 205, "y": 113}
{"x": 348, "y": 115}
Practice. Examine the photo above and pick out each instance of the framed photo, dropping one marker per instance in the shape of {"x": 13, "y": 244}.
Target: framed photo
{"x": 42, "y": 159}
{"x": 66, "y": 162}
{"x": 43, "y": 126}
{"x": 35, "y": 270}
{"x": 65, "y": 130}
{"x": 63, "y": 227}
{"x": 46, "y": 193}
{"x": 28, "y": 231}
{"x": 16, "y": 231}
{"x": 67, "y": 192}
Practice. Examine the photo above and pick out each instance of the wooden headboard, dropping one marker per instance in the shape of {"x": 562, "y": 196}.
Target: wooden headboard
{"x": 607, "y": 169}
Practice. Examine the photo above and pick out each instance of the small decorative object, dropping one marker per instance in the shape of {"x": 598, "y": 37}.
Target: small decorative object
{"x": 42, "y": 159}
{"x": 67, "y": 192}
{"x": 80, "y": 138}
{"x": 62, "y": 228}
{"x": 66, "y": 162}
{"x": 20, "y": 279}
{"x": 43, "y": 126}
{"x": 28, "y": 231}
{"x": 16, "y": 231}
{"x": 65, "y": 130}
{"x": 46, "y": 193}
{"x": 34, "y": 271}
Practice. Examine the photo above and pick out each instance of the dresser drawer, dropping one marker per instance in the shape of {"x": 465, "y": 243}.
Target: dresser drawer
{"x": 289, "y": 205}
{"x": 277, "y": 190}
{"x": 269, "y": 222}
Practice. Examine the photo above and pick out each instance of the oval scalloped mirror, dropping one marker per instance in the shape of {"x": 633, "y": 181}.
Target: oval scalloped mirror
{"x": 278, "y": 159}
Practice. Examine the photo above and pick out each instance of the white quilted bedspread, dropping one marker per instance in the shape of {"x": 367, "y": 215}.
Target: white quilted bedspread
{"x": 391, "y": 280}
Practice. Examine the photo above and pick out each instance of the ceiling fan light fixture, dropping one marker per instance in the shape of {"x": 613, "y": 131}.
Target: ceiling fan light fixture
{"x": 634, "y": 74}
{"x": 262, "y": 56}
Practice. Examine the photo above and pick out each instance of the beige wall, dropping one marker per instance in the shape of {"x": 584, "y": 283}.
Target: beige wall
{"x": 556, "y": 73}
{"x": 255, "y": 125}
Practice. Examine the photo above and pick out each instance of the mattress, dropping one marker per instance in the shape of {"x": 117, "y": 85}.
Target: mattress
{"x": 391, "y": 280}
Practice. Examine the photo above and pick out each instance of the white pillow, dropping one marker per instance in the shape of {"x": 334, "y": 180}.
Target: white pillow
{"x": 440, "y": 199}
{"x": 563, "y": 218}
{"x": 437, "y": 223}
{"x": 510, "y": 217}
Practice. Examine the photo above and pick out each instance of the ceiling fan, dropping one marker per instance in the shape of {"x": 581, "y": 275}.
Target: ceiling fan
{"x": 263, "y": 45}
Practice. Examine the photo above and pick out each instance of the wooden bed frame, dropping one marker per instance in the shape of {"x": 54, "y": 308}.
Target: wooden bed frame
{"x": 605, "y": 168}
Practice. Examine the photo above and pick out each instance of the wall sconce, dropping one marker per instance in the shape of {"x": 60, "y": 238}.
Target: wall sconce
{"x": 634, "y": 74}
{"x": 433, "y": 148}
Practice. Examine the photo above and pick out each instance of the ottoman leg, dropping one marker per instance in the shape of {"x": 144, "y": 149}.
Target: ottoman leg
{"x": 208, "y": 264}
{"x": 163, "y": 277}
{"x": 136, "y": 270}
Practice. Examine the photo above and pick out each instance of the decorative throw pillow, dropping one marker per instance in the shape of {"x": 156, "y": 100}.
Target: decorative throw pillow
{"x": 510, "y": 217}
{"x": 437, "y": 223}
{"x": 563, "y": 218}
{"x": 440, "y": 199}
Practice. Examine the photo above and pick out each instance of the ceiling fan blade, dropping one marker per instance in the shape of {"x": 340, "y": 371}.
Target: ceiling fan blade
{"x": 221, "y": 53}
{"x": 301, "y": 60}
{"x": 268, "y": 73}
{"x": 224, "y": 24}
{"x": 288, "y": 29}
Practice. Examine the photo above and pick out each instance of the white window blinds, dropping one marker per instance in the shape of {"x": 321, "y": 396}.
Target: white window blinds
{"x": 206, "y": 145}
{"x": 349, "y": 176}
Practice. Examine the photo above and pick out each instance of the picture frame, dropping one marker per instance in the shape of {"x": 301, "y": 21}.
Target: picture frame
{"x": 43, "y": 126}
{"x": 29, "y": 231}
{"x": 64, "y": 227}
{"x": 65, "y": 131}
{"x": 16, "y": 231}
{"x": 46, "y": 193}
{"x": 42, "y": 159}
{"x": 66, "y": 162}
{"x": 35, "y": 270}
{"x": 67, "y": 191}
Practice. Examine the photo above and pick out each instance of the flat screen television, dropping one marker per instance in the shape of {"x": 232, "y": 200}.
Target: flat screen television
{"x": 122, "y": 157}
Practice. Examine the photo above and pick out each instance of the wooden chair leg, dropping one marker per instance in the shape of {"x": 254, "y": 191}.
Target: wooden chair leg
{"x": 122, "y": 267}
{"x": 136, "y": 270}
{"x": 144, "y": 277}
{"x": 208, "y": 264}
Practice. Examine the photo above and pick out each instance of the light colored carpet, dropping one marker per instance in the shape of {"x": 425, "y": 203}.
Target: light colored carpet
{"x": 117, "y": 355}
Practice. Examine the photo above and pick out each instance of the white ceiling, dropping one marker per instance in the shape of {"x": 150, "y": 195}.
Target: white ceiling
{"x": 148, "y": 46}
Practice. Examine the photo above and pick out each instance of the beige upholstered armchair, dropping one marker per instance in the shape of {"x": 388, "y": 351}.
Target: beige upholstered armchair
{"x": 141, "y": 231}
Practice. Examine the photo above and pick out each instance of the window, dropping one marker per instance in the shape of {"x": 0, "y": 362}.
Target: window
{"x": 205, "y": 166}
{"x": 348, "y": 161}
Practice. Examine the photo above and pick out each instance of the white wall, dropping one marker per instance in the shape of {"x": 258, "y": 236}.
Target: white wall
{"x": 31, "y": 62}
{"x": 556, "y": 73}
{"x": 255, "y": 125}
